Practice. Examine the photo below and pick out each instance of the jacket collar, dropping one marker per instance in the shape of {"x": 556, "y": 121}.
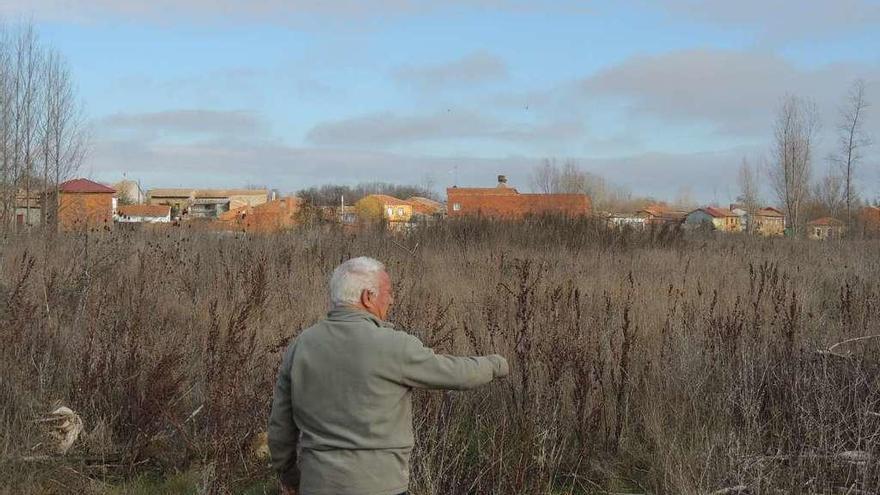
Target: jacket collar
{"x": 347, "y": 313}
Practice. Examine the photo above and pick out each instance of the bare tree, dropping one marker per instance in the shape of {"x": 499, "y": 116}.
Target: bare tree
{"x": 545, "y": 177}
{"x": 28, "y": 73}
{"x": 64, "y": 132}
{"x": 829, "y": 195}
{"x": 6, "y": 202}
{"x": 684, "y": 198}
{"x": 749, "y": 191}
{"x": 428, "y": 182}
{"x": 569, "y": 178}
{"x": 42, "y": 132}
{"x": 852, "y": 139}
{"x": 796, "y": 127}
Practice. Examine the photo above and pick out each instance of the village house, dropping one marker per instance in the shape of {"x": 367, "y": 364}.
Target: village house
{"x": 377, "y": 207}
{"x": 621, "y": 220}
{"x": 425, "y": 209}
{"x": 825, "y": 228}
{"x": 206, "y": 203}
{"x": 345, "y": 215}
{"x": 767, "y": 222}
{"x": 659, "y": 215}
{"x": 143, "y": 214}
{"x": 130, "y": 192}
{"x": 82, "y": 204}
{"x": 504, "y": 202}
{"x": 720, "y": 219}
{"x": 28, "y": 209}
{"x": 869, "y": 219}
{"x": 741, "y": 212}
{"x": 270, "y": 217}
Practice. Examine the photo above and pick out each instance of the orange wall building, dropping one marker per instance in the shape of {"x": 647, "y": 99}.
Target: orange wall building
{"x": 273, "y": 216}
{"x": 508, "y": 203}
{"x": 83, "y": 204}
{"x": 869, "y": 218}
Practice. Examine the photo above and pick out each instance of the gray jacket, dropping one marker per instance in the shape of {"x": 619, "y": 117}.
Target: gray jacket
{"x": 341, "y": 421}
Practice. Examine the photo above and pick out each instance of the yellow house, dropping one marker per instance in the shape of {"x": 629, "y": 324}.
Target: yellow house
{"x": 721, "y": 219}
{"x": 376, "y": 207}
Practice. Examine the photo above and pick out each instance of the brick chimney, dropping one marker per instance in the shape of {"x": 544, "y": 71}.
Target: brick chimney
{"x": 502, "y": 181}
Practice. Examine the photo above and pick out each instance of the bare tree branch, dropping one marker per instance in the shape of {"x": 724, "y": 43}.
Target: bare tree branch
{"x": 797, "y": 124}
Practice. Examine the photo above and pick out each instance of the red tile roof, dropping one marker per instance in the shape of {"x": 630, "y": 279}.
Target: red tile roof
{"x": 826, "y": 222}
{"x": 84, "y": 186}
{"x": 425, "y": 206}
{"x": 654, "y": 210}
{"x": 718, "y": 212}
{"x": 769, "y": 212}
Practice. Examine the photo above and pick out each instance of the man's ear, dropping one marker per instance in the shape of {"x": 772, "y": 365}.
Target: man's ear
{"x": 366, "y": 298}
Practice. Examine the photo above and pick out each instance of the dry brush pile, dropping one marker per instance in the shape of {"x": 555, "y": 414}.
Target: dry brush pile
{"x": 640, "y": 361}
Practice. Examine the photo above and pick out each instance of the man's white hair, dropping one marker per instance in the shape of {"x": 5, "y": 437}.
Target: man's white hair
{"x": 352, "y": 277}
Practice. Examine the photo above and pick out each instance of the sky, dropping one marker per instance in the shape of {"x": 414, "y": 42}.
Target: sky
{"x": 665, "y": 98}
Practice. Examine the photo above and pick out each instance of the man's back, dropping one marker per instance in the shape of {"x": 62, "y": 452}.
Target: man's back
{"x": 345, "y": 388}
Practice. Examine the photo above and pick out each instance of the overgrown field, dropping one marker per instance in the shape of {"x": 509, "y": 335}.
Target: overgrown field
{"x": 641, "y": 363}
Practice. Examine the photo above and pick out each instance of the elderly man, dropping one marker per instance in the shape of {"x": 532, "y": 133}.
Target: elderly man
{"x": 341, "y": 420}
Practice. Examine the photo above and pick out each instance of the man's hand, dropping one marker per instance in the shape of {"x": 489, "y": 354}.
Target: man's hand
{"x": 502, "y": 369}
{"x": 289, "y": 481}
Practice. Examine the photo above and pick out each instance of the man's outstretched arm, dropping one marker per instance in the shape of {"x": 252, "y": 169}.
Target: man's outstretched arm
{"x": 422, "y": 368}
{"x": 283, "y": 432}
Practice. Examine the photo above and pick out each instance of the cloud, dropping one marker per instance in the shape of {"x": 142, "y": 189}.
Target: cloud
{"x": 472, "y": 69}
{"x": 383, "y": 129}
{"x": 273, "y": 11}
{"x": 185, "y": 122}
{"x": 777, "y": 19}
{"x": 275, "y": 164}
{"x": 735, "y": 93}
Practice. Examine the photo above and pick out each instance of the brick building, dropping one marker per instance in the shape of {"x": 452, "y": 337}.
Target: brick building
{"x": 82, "y": 204}
{"x": 506, "y": 202}
{"x": 143, "y": 214}
{"x": 28, "y": 209}
{"x": 206, "y": 203}
{"x": 869, "y": 220}
{"x": 659, "y": 215}
{"x": 273, "y": 216}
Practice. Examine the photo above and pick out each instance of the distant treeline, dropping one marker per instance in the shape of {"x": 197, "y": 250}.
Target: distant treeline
{"x": 333, "y": 194}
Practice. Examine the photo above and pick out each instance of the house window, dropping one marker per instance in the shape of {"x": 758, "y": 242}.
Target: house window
{"x": 390, "y": 211}
{"x": 400, "y": 212}
{"x": 456, "y": 206}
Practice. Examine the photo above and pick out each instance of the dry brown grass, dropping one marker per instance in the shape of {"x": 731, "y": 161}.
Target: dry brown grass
{"x": 678, "y": 365}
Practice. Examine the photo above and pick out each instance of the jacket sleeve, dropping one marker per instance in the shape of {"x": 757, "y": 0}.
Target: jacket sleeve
{"x": 422, "y": 368}
{"x": 283, "y": 432}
